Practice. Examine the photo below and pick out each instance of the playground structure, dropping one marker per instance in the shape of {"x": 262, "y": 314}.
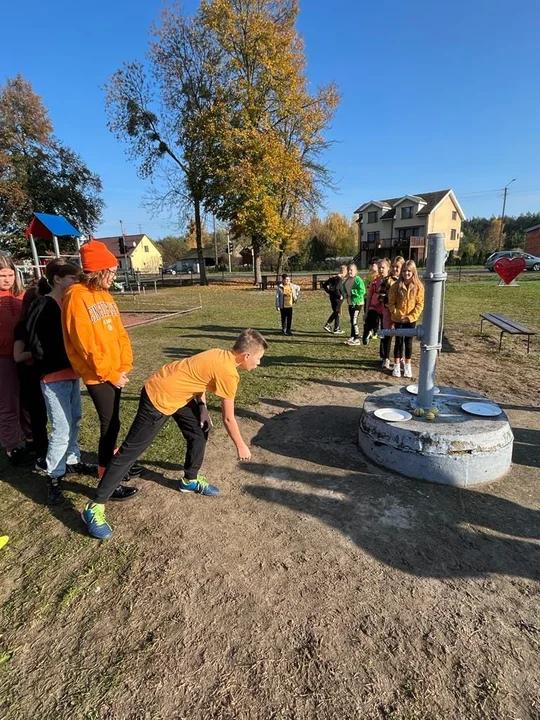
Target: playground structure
{"x": 44, "y": 226}
{"x": 451, "y": 447}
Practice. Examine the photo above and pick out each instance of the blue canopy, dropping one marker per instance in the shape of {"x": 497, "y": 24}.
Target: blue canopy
{"x": 43, "y": 226}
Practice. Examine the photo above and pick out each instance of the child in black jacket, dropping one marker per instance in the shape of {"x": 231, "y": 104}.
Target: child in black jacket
{"x": 333, "y": 286}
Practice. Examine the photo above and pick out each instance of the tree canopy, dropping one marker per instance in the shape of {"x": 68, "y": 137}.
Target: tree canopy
{"x": 37, "y": 172}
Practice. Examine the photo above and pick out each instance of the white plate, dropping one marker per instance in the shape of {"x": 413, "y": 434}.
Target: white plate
{"x": 392, "y": 414}
{"x": 413, "y": 389}
{"x": 483, "y": 409}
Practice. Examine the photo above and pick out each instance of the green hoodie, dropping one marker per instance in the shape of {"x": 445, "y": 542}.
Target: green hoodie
{"x": 358, "y": 291}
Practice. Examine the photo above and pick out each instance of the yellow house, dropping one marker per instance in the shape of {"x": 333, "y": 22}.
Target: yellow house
{"x": 135, "y": 252}
{"x": 399, "y": 226}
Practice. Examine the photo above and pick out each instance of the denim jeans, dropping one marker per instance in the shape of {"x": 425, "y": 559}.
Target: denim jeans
{"x": 63, "y": 401}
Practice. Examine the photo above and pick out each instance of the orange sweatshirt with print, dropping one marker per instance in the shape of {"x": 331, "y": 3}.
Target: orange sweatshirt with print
{"x": 96, "y": 341}
{"x": 406, "y": 301}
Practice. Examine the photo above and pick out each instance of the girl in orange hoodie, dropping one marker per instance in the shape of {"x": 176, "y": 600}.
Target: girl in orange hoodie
{"x": 98, "y": 347}
{"x": 14, "y": 422}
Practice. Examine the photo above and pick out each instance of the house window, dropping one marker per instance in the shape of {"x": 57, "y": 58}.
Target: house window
{"x": 453, "y": 235}
{"x": 454, "y": 214}
{"x": 146, "y": 248}
{"x": 373, "y": 237}
{"x": 407, "y": 212}
{"x": 373, "y": 217}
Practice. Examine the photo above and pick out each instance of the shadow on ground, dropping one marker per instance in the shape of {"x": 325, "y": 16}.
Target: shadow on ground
{"x": 423, "y": 529}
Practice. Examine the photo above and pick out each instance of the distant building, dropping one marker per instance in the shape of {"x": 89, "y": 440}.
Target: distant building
{"x": 135, "y": 252}
{"x": 532, "y": 240}
{"x": 399, "y": 226}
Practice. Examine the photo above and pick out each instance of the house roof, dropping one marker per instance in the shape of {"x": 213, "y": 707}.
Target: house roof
{"x": 534, "y": 227}
{"x": 113, "y": 243}
{"x": 432, "y": 199}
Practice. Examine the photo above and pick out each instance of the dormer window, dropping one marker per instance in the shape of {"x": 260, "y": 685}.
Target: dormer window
{"x": 407, "y": 212}
{"x": 373, "y": 216}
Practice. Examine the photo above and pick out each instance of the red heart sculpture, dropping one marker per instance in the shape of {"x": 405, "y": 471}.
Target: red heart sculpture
{"x": 508, "y": 269}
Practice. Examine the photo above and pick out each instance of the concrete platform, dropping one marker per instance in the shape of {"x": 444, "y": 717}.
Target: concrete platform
{"x": 454, "y": 449}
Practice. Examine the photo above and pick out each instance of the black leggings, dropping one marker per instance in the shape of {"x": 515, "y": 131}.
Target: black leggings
{"x": 354, "y": 312}
{"x": 336, "y": 312}
{"x": 398, "y": 346}
{"x": 146, "y": 425}
{"x": 372, "y": 322}
{"x": 286, "y": 319}
{"x": 32, "y": 401}
{"x": 106, "y": 399}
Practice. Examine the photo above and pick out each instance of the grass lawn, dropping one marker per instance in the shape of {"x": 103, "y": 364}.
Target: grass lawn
{"x": 192, "y": 613}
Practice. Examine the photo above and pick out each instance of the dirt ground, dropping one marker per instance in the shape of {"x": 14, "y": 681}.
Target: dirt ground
{"x": 318, "y": 586}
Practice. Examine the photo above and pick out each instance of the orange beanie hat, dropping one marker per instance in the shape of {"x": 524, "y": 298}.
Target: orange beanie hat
{"x": 96, "y": 256}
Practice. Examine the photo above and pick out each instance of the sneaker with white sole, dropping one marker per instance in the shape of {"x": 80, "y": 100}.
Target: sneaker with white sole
{"x": 396, "y": 372}
{"x": 328, "y": 328}
{"x": 407, "y": 370}
{"x": 200, "y": 486}
{"x": 339, "y": 331}
{"x": 353, "y": 341}
{"x": 386, "y": 364}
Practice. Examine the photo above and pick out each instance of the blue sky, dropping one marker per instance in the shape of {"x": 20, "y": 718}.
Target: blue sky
{"x": 434, "y": 94}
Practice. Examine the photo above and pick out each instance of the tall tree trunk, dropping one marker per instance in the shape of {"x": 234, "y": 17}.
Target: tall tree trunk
{"x": 256, "y": 245}
{"x": 198, "y": 236}
{"x": 279, "y": 267}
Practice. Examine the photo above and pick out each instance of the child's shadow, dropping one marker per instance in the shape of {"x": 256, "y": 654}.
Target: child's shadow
{"x": 34, "y": 486}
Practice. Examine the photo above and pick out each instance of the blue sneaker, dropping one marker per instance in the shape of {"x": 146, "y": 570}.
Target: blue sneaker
{"x": 200, "y": 485}
{"x": 94, "y": 519}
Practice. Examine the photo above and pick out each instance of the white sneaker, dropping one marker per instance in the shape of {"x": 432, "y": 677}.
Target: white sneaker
{"x": 339, "y": 331}
{"x": 386, "y": 364}
{"x": 396, "y": 372}
{"x": 327, "y": 328}
{"x": 352, "y": 341}
{"x": 407, "y": 370}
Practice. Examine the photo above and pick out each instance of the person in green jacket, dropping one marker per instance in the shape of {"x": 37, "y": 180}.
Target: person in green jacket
{"x": 354, "y": 292}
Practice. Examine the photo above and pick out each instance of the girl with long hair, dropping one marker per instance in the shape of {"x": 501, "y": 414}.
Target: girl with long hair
{"x": 354, "y": 291}
{"x": 60, "y": 383}
{"x": 99, "y": 348}
{"x": 406, "y": 304}
{"x": 14, "y": 421}
{"x": 31, "y": 397}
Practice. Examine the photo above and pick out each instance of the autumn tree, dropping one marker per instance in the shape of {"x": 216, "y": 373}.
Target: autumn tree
{"x": 270, "y": 170}
{"x": 37, "y": 172}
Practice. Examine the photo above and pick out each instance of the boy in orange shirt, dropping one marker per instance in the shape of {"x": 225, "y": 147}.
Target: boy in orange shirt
{"x": 179, "y": 390}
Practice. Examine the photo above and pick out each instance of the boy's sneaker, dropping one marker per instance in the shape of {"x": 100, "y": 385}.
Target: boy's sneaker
{"x": 200, "y": 486}
{"x": 94, "y": 519}
{"x": 339, "y": 331}
{"x": 386, "y": 364}
{"x": 41, "y": 464}
{"x": 407, "y": 370}
{"x": 54, "y": 491}
{"x": 352, "y": 341}
{"x": 328, "y": 328}
{"x": 396, "y": 372}
{"x": 81, "y": 468}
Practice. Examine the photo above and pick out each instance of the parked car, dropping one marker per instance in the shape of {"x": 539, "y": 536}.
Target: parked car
{"x": 531, "y": 261}
{"x": 169, "y": 270}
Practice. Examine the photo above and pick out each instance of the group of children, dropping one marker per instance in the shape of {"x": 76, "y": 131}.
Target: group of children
{"x": 394, "y": 298}
{"x": 69, "y": 328}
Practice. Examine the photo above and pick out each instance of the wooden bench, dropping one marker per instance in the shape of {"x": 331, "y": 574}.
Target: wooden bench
{"x": 506, "y": 325}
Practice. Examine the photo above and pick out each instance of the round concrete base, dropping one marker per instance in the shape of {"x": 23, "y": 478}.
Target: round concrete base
{"x": 454, "y": 449}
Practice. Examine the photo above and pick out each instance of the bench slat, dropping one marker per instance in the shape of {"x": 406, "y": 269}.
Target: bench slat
{"x": 507, "y": 325}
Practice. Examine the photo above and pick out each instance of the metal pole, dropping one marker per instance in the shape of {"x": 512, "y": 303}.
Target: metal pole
{"x": 55, "y": 245}
{"x": 215, "y": 240}
{"x": 35, "y": 256}
{"x": 430, "y": 344}
{"x": 125, "y": 249}
{"x": 503, "y": 213}
{"x": 230, "y": 251}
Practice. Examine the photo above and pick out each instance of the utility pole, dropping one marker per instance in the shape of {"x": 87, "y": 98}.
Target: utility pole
{"x": 124, "y": 244}
{"x": 505, "y": 193}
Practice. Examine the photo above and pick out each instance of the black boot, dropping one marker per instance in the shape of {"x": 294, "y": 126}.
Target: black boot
{"x": 54, "y": 491}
